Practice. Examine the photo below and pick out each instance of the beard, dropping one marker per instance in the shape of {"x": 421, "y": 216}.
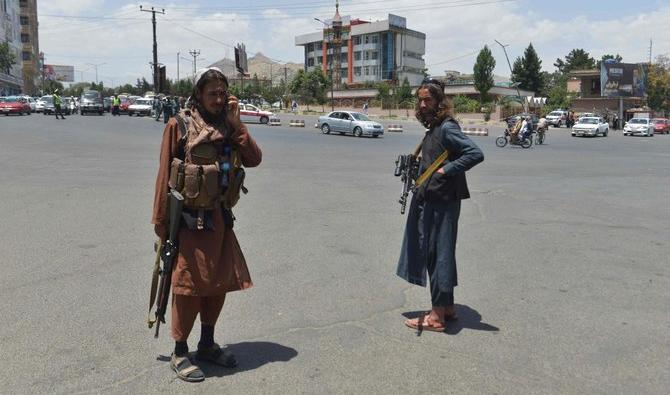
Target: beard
{"x": 211, "y": 118}
{"x": 427, "y": 117}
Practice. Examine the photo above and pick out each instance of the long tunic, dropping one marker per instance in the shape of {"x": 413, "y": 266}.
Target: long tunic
{"x": 210, "y": 262}
{"x": 432, "y": 220}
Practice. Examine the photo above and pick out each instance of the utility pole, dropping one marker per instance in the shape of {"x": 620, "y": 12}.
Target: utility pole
{"x": 96, "y": 69}
{"x": 504, "y": 47}
{"x": 177, "y": 66}
{"x": 195, "y": 53}
{"x": 650, "y": 48}
{"x": 153, "y": 22}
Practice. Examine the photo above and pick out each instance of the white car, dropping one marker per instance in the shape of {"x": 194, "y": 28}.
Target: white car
{"x": 141, "y": 106}
{"x": 31, "y": 102}
{"x": 642, "y": 126}
{"x": 39, "y": 105}
{"x": 251, "y": 113}
{"x": 556, "y": 118}
{"x": 590, "y": 126}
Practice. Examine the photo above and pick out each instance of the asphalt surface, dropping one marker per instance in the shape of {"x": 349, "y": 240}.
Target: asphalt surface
{"x": 562, "y": 259}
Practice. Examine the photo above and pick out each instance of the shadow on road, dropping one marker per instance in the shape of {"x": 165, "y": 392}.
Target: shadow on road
{"x": 468, "y": 318}
{"x": 249, "y": 355}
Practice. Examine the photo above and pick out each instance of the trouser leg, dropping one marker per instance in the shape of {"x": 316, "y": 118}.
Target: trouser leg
{"x": 438, "y": 298}
{"x": 184, "y": 311}
{"x": 210, "y": 308}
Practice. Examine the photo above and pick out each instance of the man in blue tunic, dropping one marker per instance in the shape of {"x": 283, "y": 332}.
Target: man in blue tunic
{"x": 429, "y": 243}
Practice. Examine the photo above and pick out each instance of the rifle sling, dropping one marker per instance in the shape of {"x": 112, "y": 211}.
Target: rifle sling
{"x": 431, "y": 169}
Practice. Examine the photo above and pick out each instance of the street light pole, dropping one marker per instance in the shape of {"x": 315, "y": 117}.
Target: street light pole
{"x": 177, "y": 66}
{"x": 504, "y": 47}
{"x": 96, "y": 69}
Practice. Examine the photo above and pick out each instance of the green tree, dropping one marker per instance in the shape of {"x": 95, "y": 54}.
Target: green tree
{"x": 658, "y": 87}
{"x": 483, "y": 73}
{"x": 51, "y": 85}
{"x": 384, "y": 94}
{"x": 404, "y": 93}
{"x": 617, "y": 58}
{"x": 311, "y": 87}
{"x": 577, "y": 59}
{"x": 527, "y": 71}
{"x": 7, "y": 57}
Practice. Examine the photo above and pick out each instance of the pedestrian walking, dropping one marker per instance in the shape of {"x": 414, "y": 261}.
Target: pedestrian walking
{"x": 204, "y": 139}
{"x": 157, "y": 108}
{"x": 58, "y": 102}
{"x": 365, "y": 108}
{"x": 429, "y": 243}
{"x": 294, "y": 106}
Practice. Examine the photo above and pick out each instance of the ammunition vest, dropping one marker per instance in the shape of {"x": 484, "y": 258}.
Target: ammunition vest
{"x": 209, "y": 173}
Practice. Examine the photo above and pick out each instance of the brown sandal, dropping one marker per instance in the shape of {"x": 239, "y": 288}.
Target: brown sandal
{"x": 425, "y": 323}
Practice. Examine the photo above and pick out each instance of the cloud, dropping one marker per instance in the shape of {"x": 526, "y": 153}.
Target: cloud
{"x": 454, "y": 34}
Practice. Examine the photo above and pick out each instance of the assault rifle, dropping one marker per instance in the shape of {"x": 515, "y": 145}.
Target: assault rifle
{"x": 407, "y": 168}
{"x": 168, "y": 254}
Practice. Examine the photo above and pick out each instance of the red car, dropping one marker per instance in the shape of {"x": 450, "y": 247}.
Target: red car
{"x": 14, "y": 105}
{"x": 661, "y": 125}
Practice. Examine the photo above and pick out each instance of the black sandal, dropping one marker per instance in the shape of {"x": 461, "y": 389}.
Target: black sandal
{"x": 216, "y": 355}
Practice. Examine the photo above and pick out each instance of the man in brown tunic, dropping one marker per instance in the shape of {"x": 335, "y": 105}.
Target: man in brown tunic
{"x": 210, "y": 262}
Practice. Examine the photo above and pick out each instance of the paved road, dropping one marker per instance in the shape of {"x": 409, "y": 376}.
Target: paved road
{"x": 563, "y": 266}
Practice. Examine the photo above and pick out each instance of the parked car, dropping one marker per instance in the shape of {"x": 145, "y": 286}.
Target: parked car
{"x": 661, "y": 125}
{"x": 251, "y": 113}
{"x": 557, "y": 118}
{"x": 349, "y": 122}
{"x": 91, "y": 101}
{"x": 641, "y": 126}
{"x": 14, "y": 105}
{"x": 590, "y": 126}
{"x": 141, "y": 106}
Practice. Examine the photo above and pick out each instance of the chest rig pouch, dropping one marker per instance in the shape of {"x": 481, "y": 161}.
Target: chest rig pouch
{"x": 212, "y": 176}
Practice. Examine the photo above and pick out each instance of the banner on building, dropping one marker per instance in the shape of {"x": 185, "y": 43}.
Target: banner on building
{"x": 60, "y": 73}
{"x": 623, "y": 79}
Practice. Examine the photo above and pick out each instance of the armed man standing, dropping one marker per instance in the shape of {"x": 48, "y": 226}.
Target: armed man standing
{"x": 58, "y": 102}
{"x": 429, "y": 243}
{"x": 201, "y": 156}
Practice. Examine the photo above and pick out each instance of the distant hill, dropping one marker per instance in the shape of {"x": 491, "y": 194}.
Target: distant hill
{"x": 260, "y": 65}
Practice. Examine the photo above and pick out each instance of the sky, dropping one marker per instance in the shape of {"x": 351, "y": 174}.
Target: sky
{"x": 116, "y": 37}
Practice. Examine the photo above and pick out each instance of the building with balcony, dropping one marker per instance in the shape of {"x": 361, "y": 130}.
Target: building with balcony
{"x": 32, "y": 67}
{"x": 364, "y": 52}
{"x": 11, "y": 80}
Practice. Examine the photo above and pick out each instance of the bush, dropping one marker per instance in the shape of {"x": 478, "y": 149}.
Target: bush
{"x": 465, "y": 104}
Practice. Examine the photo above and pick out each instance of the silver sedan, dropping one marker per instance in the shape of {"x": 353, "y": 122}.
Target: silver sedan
{"x": 349, "y": 122}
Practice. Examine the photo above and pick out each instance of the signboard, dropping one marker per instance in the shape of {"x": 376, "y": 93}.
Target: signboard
{"x": 241, "y": 59}
{"x": 397, "y": 21}
{"x": 60, "y": 73}
{"x": 623, "y": 79}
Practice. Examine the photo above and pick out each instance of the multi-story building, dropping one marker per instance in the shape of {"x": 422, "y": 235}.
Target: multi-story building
{"x": 369, "y": 52}
{"x": 11, "y": 80}
{"x": 31, "y": 49}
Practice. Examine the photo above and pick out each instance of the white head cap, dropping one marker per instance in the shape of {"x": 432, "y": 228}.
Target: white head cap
{"x": 202, "y": 72}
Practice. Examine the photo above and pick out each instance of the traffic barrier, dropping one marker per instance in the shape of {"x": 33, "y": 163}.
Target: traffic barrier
{"x": 297, "y": 123}
{"x": 275, "y": 122}
{"x": 394, "y": 128}
{"x": 476, "y": 131}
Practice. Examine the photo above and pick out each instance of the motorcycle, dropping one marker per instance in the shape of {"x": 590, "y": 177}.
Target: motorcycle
{"x": 525, "y": 142}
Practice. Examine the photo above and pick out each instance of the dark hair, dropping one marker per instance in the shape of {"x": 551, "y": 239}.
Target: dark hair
{"x": 445, "y": 108}
{"x": 210, "y": 75}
